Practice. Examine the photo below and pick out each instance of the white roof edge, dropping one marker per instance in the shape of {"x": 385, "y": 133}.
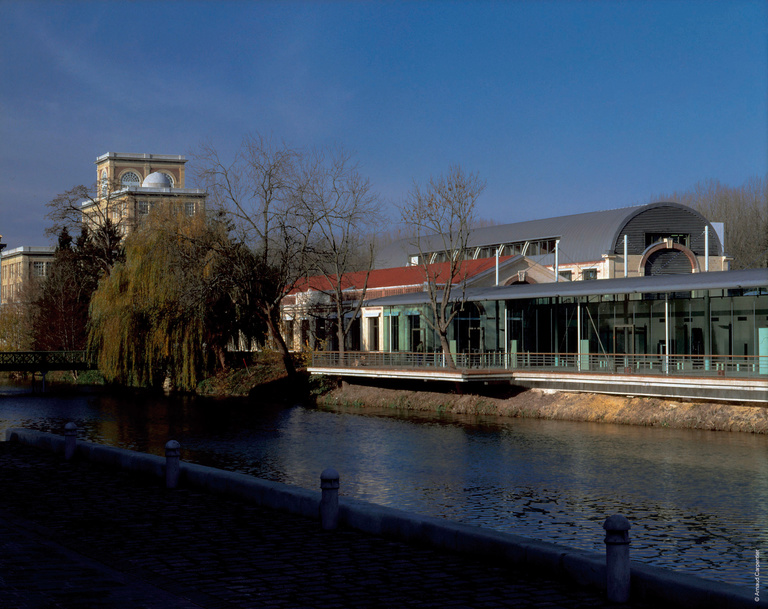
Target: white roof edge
{"x": 141, "y": 157}
{"x": 29, "y": 249}
{"x": 748, "y": 278}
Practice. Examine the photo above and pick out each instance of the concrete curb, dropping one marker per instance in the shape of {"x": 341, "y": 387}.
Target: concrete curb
{"x": 648, "y": 583}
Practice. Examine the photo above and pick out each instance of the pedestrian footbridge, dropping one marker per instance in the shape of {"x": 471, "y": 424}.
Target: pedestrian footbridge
{"x": 44, "y": 361}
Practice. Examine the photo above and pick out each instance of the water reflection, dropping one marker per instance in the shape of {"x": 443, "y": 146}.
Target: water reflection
{"x": 697, "y": 500}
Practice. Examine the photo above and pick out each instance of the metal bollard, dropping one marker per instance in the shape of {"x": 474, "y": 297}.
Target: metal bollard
{"x": 70, "y": 440}
{"x": 329, "y": 502}
{"x": 172, "y": 458}
{"x": 617, "y": 558}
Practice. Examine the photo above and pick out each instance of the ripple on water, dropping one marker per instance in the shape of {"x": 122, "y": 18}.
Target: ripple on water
{"x": 696, "y": 500}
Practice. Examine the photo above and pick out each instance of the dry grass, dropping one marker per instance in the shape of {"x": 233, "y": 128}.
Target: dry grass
{"x": 242, "y": 381}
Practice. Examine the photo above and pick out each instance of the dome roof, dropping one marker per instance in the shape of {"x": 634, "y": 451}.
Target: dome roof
{"x": 157, "y": 180}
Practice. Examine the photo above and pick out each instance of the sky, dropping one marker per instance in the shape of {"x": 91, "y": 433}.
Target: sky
{"x": 562, "y": 106}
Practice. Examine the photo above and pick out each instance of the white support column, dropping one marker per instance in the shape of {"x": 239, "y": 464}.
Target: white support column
{"x": 706, "y": 248}
{"x": 626, "y": 262}
{"x": 498, "y": 253}
{"x": 666, "y": 333}
{"x": 506, "y": 336}
{"x": 578, "y": 336}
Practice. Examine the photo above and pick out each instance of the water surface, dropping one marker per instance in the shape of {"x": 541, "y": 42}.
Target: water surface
{"x": 697, "y": 500}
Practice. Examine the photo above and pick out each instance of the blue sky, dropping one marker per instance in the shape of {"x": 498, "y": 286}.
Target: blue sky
{"x": 563, "y": 106}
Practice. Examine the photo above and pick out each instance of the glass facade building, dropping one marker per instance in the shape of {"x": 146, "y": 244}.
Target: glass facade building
{"x": 697, "y": 321}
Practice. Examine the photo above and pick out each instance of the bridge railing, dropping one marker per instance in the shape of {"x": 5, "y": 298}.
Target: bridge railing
{"x": 747, "y": 366}
{"x": 44, "y": 360}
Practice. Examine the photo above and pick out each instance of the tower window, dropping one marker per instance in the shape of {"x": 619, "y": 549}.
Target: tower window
{"x": 130, "y": 178}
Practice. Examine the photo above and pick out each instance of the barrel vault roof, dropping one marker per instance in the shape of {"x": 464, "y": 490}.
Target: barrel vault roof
{"x": 583, "y": 237}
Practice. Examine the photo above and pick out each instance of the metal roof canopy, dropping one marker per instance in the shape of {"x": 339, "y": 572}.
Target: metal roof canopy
{"x": 744, "y": 279}
{"x": 584, "y": 237}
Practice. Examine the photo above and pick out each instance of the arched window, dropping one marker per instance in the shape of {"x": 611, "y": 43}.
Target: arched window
{"x": 103, "y": 186}
{"x": 130, "y": 178}
{"x": 170, "y": 178}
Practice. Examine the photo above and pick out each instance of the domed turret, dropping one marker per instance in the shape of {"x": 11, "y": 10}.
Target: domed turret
{"x": 157, "y": 180}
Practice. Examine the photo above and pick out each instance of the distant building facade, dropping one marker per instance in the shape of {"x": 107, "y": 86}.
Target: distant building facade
{"x": 21, "y": 266}
{"x": 130, "y": 185}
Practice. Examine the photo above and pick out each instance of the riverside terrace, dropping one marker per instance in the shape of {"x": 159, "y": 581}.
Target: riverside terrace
{"x": 702, "y": 335}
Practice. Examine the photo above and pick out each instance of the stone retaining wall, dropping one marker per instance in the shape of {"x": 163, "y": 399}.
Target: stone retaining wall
{"x": 564, "y": 406}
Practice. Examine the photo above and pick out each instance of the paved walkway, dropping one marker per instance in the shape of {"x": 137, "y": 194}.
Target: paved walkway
{"x": 77, "y": 535}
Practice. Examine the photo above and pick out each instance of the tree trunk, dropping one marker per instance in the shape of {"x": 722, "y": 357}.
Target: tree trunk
{"x": 274, "y": 331}
{"x": 340, "y": 337}
{"x": 220, "y": 356}
{"x": 447, "y": 351}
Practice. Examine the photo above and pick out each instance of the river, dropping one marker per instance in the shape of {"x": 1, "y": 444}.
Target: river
{"x": 697, "y": 500}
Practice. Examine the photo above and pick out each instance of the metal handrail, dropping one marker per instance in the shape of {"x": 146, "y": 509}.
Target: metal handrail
{"x": 742, "y": 366}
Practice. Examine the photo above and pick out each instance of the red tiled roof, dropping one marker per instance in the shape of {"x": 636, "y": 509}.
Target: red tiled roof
{"x": 398, "y": 277}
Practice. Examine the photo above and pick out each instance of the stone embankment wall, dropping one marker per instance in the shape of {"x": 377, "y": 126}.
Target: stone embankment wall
{"x": 565, "y": 406}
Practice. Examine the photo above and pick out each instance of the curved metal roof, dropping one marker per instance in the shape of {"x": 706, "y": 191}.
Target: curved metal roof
{"x": 583, "y": 237}
{"x": 636, "y": 211}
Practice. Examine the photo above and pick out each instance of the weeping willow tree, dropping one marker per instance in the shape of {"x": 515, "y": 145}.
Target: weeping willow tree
{"x": 161, "y": 315}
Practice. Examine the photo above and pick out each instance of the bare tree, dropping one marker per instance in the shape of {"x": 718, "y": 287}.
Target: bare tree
{"x": 441, "y": 215}
{"x": 61, "y": 310}
{"x": 101, "y": 209}
{"x": 744, "y": 211}
{"x": 264, "y": 191}
{"x": 348, "y": 213}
